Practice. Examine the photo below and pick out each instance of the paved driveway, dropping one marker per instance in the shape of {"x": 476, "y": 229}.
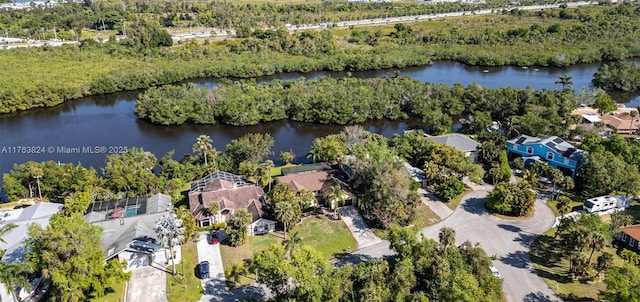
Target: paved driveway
{"x": 358, "y": 227}
{"x": 147, "y": 284}
{"x": 215, "y": 287}
{"x": 211, "y": 252}
{"x": 509, "y": 240}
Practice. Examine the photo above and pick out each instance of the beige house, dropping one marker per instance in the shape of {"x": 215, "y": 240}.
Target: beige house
{"x": 321, "y": 183}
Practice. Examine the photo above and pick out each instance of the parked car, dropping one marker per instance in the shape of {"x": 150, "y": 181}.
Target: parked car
{"x": 213, "y": 237}
{"x": 204, "y": 269}
{"x": 495, "y": 272}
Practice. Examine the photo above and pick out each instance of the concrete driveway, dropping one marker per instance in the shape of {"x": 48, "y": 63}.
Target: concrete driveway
{"x": 509, "y": 240}
{"x": 358, "y": 227}
{"x": 215, "y": 287}
{"x": 211, "y": 252}
{"x": 147, "y": 284}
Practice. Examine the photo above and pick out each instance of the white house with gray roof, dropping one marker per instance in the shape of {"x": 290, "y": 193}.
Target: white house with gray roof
{"x": 460, "y": 142}
{"x": 128, "y": 227}
{"x": 38, "y": 213}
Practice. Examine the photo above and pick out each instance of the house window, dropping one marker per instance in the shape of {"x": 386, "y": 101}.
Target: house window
{"x": 632, "y": 242}
{"x": 624, "y": 236}
{"x": 550, "y": 155}
{"x": 530, "y": 150}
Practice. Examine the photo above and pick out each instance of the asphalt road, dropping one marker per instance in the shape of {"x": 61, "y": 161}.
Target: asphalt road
{"x": 509, "y": 240}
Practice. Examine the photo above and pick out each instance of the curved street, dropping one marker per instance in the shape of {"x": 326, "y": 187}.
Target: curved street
{"x": 509, "y": 240}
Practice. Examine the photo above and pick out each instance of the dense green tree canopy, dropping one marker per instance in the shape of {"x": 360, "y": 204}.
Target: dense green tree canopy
{"x": 422, "y": 270}
{"x": 69, "y": 254}
{"x": 512, "y": 199}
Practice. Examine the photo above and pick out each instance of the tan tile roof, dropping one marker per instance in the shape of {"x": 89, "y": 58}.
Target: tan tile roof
{"x": 633, "y": 231}
{"x": 313, "y": 181}
{"x": 621, "y": 121}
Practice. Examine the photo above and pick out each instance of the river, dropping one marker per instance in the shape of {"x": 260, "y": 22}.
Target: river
{"x": 83, "y": 130}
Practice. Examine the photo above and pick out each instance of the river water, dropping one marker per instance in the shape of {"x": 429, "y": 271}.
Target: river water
{"x": 85, "y": 130}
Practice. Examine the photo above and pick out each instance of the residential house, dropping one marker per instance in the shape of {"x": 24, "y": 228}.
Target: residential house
{"x": 555, "y": 151}
{"x": 128, "y": 226}
{"x": 630, "y": 237}
{"x": 39, "y": 213}
{"x": 460, "y": 142}
{"x": 592, "y": 121}
{"x": 622, "y": 123}
{"x": 320, "y": 183}
{"x": 232, "y": 192}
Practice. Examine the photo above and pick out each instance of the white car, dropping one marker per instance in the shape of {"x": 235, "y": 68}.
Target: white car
{"x": 495, "y": 272}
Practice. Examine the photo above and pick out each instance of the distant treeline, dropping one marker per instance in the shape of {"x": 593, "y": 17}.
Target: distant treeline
{"x": 51, "y": 75}
{"x": 354, "y": 100}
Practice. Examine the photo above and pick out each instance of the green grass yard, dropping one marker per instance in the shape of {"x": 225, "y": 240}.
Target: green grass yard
{"x": 453, "y": 204}
{"x": 188, "y": 288}
{"x": 116, "y": 296}
{"x": 326, "y": 236}
{"x": 277, "y": 171}
{"x": 552, "y": 267}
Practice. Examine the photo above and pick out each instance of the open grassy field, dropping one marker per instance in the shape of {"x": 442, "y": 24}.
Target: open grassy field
{"x": 188, "y": 288}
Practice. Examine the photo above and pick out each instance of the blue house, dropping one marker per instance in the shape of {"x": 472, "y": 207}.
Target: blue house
{"x": 553, "y": 150}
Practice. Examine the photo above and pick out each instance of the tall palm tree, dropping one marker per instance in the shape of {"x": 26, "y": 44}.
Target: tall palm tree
{"x": 36, "y": 172}
{"x": 170, "y": 233}
{"x": 565, "y": 80}
{"x": 285, "y": 212}
{"x": 242, "y": 218}
{"x": 214, "y": 207}
{"x": 563, "y": 205}
{"x": 5, "y": 229}
{"x": 336, "y": 197}
{"x": 447, "y": 237}
{"x": 530, "y": 176}
{"x": 12, "y": 275}
{"x": 235, "y": 272}
{"x": 597, "y": 243}
{"x": 603, "y": 262}
{"x": 203, "y": 145}
{"x": 633, "y": 115}
{"x": 265, "y": 170}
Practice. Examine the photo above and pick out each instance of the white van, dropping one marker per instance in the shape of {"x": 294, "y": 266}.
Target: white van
{"x": 602, "y": 203}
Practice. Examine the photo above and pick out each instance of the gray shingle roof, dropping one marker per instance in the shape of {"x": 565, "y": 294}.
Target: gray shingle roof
{"x": 38, "y": 213}
{"x": 458, "y": 141}
{"x": 126, "y": 220}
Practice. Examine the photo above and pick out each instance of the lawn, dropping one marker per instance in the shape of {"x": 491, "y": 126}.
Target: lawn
{"x": 326, "y": 236}
{"x": 453, "y": 204}
{"x": 575, "y": 206}
{"x": 277, "y": 171}
{"x": 424, "y": 216}
{"x": 188, "y": 288}
{"x": 116, "y": 296}
{"x": 552, "y": 267}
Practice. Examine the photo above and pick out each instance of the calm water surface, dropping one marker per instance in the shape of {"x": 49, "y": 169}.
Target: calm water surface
{"x": 108, "y": 121}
